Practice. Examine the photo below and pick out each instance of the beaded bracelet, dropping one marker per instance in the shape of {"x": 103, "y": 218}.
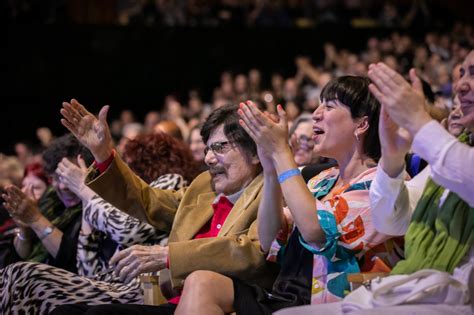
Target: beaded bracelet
{"x": 287, "y": 174}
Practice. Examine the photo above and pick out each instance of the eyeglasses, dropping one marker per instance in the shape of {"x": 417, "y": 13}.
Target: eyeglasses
{"x": 305, "y": 140}
{"x": 217, "y": 147}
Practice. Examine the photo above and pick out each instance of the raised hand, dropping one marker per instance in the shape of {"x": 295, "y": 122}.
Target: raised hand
{"x": 395, "y": 143}
{"x": 404, "y": 103}
{"x": 271, "y": 136}
{"x": 93, "y": 133}
{"x": 137, "y": 259}
{"x": 21, "y": 208}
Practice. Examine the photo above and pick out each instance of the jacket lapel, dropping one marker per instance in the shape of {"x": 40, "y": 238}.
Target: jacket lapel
{"x": 194, "y": 217}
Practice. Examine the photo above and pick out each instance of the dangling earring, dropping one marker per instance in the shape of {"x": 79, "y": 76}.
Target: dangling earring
{"x": 357, "y": 136}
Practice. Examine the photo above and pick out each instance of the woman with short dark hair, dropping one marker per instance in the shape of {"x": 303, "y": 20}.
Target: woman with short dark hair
{"x": 326, "y": 230}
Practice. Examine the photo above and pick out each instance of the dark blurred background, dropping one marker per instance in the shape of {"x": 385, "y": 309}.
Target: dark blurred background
{"x": 131, "y": 54}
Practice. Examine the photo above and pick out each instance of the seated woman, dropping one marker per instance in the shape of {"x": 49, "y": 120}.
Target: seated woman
{"x": 103, "y": 223}
{"x": 332, "y": 235}
{"x": 49, "y": 227}
{"x": 35, "y": 183}
{"x": 302, "y": 146}
{"x": 103, "y": 227}
{"x": 434, "y": 210}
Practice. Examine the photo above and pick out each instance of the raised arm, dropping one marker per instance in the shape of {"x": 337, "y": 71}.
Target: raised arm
{"x": 270, "y": 210}
{"x": 451, "y": 162}
{"x": 93, "y": 133}
{"x": 272, "y": 137}
{"x": 392, "y": 199}
{"x": 129, "y": 193}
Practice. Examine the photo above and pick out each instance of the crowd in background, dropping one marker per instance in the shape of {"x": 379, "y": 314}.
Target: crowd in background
{"x": 51, "y": 175}
{"x": 252, "y": 13}
{"x": 436, "y": 59}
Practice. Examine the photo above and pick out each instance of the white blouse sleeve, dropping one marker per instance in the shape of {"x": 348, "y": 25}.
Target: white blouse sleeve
{"x": 452, "y": 162}
{"x": 393, "y": 200}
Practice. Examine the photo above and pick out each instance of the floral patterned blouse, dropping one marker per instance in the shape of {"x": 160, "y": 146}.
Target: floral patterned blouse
{"x": 352, "y": 244}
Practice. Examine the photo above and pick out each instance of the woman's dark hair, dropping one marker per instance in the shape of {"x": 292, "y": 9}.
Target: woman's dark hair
{"x": 353, "y": 91}
{"x": 227, "y": 115}
{"x": 197, "y": 127}
{"x": 66, "y": 146}
{"x": 153, "y": 155}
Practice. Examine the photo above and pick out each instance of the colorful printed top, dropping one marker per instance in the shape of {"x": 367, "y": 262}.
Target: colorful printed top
{"x": 352, "y": 243}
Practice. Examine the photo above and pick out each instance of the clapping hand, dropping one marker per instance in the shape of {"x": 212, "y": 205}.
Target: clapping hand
{"x": 269, "y": 134}
{"x": 265, "y": 130}
{"x": 21, "y": 208}
{"x": 404, "y": 103}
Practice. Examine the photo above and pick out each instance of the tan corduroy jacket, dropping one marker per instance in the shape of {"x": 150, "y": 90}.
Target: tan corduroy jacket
{"x": 234, "y": 252}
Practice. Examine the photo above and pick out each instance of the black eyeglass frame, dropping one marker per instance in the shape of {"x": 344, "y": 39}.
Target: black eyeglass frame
{"x": 216, "y": 147}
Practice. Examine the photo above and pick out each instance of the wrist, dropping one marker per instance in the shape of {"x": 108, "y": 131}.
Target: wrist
{"x": 269, "y": 174}
{"x": 102, "y": 154}
{"x": 283, "y": 176}
{"x": 392, "y": 167}
{"x": 33, "y": 219}
{"x": 418, "y": 123}
{"x": 42, "y": 227}
{"x": 26, "y": 232}
{"x": 86, "y": 194}
{"x": 284, "y": 161}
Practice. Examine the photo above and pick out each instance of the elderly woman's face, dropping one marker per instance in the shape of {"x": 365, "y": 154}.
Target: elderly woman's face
{"x": 304, "y": 143}
{"x": 465, "y": 91}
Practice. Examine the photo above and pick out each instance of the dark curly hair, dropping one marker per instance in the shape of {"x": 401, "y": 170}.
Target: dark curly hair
{"x": 66, "y": 146}
{"x": 353, "y": 91}
{"x": 154, "y": 155}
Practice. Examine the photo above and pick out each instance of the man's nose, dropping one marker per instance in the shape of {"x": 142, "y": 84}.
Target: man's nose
{"x": 210, "y": 158}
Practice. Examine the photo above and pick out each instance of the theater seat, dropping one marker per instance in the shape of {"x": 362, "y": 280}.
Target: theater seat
{"x": 151, "y": 290}
{"x": 358, "y": 279}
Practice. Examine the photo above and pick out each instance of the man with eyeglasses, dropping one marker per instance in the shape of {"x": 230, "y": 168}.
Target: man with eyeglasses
{"x": 212, "y": 222}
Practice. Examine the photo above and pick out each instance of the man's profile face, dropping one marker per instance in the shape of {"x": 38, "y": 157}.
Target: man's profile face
{"x": 230, "y": 166}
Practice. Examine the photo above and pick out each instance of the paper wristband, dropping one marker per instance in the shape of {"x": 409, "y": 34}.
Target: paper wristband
{"x": 287, "y": 174}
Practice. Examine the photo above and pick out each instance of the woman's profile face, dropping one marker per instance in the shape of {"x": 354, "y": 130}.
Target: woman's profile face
{"x": 333, "y": 130}
{"x": 34, "y": 184}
